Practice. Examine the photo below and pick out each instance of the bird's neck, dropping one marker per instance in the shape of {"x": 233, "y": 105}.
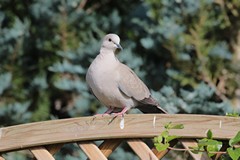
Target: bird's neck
{"x": 108, "y": 56}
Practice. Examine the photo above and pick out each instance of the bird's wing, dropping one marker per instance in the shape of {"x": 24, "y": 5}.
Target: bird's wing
{"x": 130, "y": 85}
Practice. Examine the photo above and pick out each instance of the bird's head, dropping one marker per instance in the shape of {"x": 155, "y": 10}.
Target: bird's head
{"x": 111, "y": 42}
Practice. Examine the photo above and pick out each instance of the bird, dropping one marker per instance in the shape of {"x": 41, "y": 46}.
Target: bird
{"x": 115, "y": 85}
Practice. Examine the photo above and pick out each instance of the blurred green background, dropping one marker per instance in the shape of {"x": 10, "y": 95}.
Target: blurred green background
{"x": 186, "y": 51}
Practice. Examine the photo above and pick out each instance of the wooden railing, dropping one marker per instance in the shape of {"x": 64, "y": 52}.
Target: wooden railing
{"x": 44, "y": 139}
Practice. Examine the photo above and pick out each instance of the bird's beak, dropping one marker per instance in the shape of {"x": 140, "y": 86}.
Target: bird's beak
{"x": 119, "y": 46}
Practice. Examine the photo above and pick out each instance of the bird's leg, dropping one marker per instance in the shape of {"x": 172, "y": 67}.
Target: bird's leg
{"x": 124, "y": 110}
{"x": 110, "y": 110}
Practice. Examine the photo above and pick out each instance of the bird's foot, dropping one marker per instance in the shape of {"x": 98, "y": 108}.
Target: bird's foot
{"x": 110, "y": 110}
{"x": 125, "y": 109}
{"x": 101, "y": 115}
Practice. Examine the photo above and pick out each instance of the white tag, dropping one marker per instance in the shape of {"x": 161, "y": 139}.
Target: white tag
{"x": 154, "y": 121}
{"x": 122, "y": 122}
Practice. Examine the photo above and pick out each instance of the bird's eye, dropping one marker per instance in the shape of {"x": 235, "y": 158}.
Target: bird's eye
{"x": 109, "y": 39}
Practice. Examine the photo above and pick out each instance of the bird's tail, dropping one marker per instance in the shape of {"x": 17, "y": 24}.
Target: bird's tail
{"x": 150, "y": 105}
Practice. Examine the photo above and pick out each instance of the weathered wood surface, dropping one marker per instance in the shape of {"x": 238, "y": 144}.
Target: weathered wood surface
{"x": 109, "y": 145}
{"x": 141, "y": 149}
{"x": 41, "y": 153}
{"x": 54, "y": 148}
{"x": 91, "y": 150}
{"x": 135, "y": 126}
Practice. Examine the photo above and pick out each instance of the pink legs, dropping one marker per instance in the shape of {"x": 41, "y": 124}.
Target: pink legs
{"x": 124, "y": 110}
{"x": 110, "y": 110}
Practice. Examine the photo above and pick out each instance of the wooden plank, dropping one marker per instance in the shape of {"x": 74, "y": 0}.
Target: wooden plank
{"x": 91, "y": 150}
{"x": 135, "y": 126}
{"x": 41, "y": 153}
{"x": 1, "y": 158}
{"x": 141, "y": 149}
{"x": 200, "y": 156}
{"x": 109, "y": 145}
{"x": 54, "y": 148}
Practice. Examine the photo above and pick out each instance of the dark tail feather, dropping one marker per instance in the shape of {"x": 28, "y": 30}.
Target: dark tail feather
{"x": 151, "y": 109}
{"x": 150, "y": 105}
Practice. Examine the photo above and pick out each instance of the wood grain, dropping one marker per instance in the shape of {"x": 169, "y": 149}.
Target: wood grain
{"x": 91, "y": 150}
{"x": 41, "y": 153}
{"x": 109, "y": 145}
{"x": 135, "y": 126}
{"x": 141, "y": 149}
{"x": 54, "y": 148}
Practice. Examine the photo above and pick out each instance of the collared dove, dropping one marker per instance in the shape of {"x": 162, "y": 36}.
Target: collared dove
{"x": 115, "y": 84}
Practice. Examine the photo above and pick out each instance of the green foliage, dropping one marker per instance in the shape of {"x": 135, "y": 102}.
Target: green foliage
{"x": 209, "y": 134}
{"x": 15, "y": 113}
{"x": 199, "y": 100}
{"x": 162, "y": 141}
{"x": 234, "y": 114}
{"x": 233, "y": 152}
{"x": 173, "y": 126}
{"x": 70, "y": 152}
{"x": 209, "y": 145}
{"x": 235, "y": 139}
{"x": 213, "y": 146}
{"x": 47, "y": 47}
{"x": 5, "y": 81}
{"x": 18, "y": 155}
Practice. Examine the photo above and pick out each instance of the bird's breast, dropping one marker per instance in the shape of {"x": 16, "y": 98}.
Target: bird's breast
{"x": 102, "y": 77}
{"x": 104, "y": 85}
